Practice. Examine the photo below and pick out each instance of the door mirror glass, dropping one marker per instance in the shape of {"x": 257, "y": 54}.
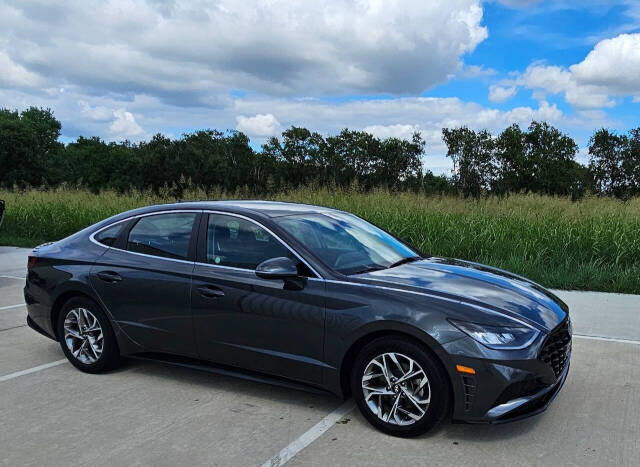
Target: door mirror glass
{"x": 277, "y": 268}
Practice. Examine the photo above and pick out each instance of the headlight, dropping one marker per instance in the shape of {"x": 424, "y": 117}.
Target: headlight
{"x": 499, "y": 337}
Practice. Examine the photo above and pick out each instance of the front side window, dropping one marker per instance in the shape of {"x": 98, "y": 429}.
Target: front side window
{"x": 236, "y": 242}
{"x": 166, "y": 235}
{"x": 109, "y": 235}
{"x": 345, "y": 242}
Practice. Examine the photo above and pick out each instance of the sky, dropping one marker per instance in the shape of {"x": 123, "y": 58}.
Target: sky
{"x": 129, "y": 69}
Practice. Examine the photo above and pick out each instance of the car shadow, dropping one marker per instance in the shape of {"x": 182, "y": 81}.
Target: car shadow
{"x": 228, "y": 384}
{"x": 488, "y": 432}
{"x": 457, "y": 432}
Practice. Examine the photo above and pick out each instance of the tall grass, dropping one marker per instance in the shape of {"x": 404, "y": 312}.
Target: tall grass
{"x": 593, "y": 244}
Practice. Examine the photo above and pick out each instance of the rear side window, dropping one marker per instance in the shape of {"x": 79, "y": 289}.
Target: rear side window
{"x": 109, "y": 235}
{"x": 165, "y": 235}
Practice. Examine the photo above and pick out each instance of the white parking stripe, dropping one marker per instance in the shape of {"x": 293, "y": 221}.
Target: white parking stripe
{"x": 31, "y": 370}
{"x": 11, "y": 306}
{"x": 310, "y": 435}
{"x": 13, "y": 277}
{"x": 607, "y": 339}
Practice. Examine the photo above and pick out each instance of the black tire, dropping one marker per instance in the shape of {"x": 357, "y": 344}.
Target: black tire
{"x": 110, "y": 356}
{"x": 440, "y": 393}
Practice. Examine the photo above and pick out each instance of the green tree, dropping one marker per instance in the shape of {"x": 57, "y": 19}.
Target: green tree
{"x": 161, "y": 164}
{"x": 615, "y": 162}
{"x": 473, "y": 159}
{"x": 29, "y": 146}
{"x": 298, "y": 159}
{"x": 515, "y": 170}
{"x": 552, "y": 154}
{"x": 97, "y": 165}
{"x": 400, "y": 162}
{"x": 352, "y": 156}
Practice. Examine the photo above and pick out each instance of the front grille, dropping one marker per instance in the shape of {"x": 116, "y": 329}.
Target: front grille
{"x": 556, "y": 348}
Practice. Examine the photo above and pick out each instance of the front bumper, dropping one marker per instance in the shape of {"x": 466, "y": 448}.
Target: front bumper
{"x": 527, "y": 406}
{"x": 507, "y": 385}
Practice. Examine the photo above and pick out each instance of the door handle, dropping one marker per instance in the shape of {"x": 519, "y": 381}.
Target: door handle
{"x": 210, "y": 291}
{"x": 109, "y": 276}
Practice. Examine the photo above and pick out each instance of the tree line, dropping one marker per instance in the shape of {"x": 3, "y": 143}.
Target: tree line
{"x": 538, "y": 159}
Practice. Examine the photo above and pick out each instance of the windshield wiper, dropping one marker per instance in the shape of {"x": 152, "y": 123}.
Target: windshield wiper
{"x": 409, "y": 259}
{"x": 368, "y": 269}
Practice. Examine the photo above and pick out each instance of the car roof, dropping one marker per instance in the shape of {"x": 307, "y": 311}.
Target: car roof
{"x": 266, "y": 208}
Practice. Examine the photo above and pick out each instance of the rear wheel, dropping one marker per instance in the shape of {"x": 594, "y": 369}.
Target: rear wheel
{"x": 86, "y": 336}
{"x": 399, "y": 387}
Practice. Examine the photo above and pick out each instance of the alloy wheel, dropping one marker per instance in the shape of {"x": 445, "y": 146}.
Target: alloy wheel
{"x": 83, "y": 335}
{"x": 396, "y": 389}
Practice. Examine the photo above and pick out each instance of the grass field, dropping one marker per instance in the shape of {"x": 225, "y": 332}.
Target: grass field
{"x": 593, "y": 244}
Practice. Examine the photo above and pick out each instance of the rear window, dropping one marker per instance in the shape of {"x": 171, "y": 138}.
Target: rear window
{"x": 109, "y": 235}
{"x": 165, "y": 235}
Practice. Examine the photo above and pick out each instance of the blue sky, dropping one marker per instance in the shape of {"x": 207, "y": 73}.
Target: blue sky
{"x": 129, "y": 69}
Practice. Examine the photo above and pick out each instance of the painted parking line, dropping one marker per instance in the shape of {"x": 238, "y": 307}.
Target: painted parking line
{"x": 35, "y": 369}
{"x": 607, "y": 339}
{"x": 310, "y": 435}
{"x": 11, "y": 306}
{"x": 4, "y": 276}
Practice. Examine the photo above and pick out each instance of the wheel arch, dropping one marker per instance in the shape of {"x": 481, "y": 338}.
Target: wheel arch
{"x": 391, "y": 329}
{"x": 63, "y": 298}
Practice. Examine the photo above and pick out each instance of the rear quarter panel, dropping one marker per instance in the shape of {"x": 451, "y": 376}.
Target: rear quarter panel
{"x": 62, "y": 268}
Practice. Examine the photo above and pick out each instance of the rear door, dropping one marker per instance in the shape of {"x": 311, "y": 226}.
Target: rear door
{"x": 144, "y": 281}
{"x": 270, "y": 326}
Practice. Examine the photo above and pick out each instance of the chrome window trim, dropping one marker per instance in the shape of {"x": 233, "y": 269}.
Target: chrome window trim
{"x": 295, "y": 253}
{"x": 91, "y": 237}
{"x": 202, "y": 211}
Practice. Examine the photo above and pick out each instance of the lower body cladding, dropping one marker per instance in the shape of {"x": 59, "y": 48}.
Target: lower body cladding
{"x": 506, "y": 385}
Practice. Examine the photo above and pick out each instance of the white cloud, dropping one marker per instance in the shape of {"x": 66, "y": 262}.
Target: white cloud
{"x": 124, "y": 125}
{"x": 474, "y": 71}
{"x": 501, "y": 94}
{"x": 193, "y": 51}
{"x": 259, "y": 125}
{"x": 14, "y": 75}
{"x": 552, "y": 79}
{"x": 610, "y": 70}
{"x": 613, "y": 64}
{"x": 392, "y": 131}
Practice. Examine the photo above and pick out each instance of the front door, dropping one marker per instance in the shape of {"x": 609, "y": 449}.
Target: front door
{"x": 146, "y": 284}
{"x": 269, "y": 326}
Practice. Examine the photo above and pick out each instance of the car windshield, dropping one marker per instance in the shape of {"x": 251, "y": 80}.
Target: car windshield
{"x": 347, "y": 243}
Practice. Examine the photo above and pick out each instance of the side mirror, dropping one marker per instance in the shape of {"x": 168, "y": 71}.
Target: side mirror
{"x": 277, "y": 268}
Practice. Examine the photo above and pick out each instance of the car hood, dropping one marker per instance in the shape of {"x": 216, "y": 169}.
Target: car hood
{"x": 476, "y": 284}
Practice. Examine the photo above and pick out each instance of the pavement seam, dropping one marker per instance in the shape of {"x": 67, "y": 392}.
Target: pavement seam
{"x": 13, "y": 327}
{"x": 8, "y": 307}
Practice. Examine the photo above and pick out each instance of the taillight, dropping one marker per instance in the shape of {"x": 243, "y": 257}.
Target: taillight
{"x": 31, "y": 262}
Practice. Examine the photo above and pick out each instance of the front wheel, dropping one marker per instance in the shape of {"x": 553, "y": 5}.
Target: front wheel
{"x": 86, "y": 336}
{"x": 399, "y": 387}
